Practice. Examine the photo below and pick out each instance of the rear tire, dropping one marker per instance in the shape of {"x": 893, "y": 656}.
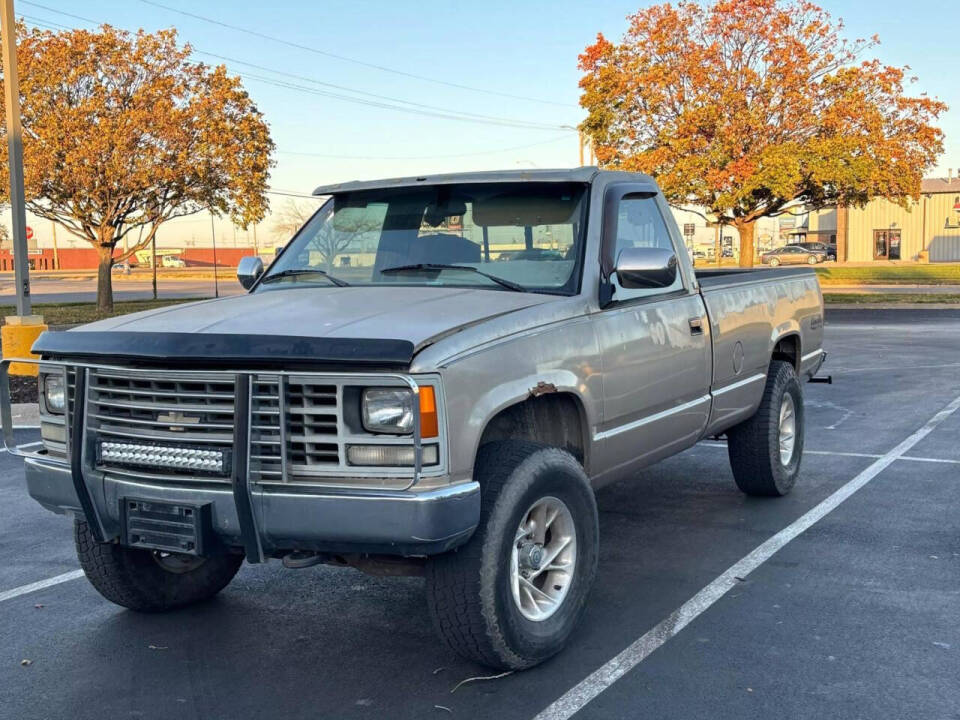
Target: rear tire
{"x": 147, "y": 582}
{"x": 764, "y": 460}
{"x": 475, "y": 594}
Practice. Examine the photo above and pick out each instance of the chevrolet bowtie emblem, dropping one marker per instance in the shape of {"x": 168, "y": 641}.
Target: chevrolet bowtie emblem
{"x": 177, "y": 420}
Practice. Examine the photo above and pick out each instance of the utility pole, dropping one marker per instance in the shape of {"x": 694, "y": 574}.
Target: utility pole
{"x": 153, "y": 258}
{"x": 213, "y": 234}
{"x": 580, "y": 146}
{"x": 18, "y": 219}
{"x": 22, "y": 329}
{"x": 56, "y": 251}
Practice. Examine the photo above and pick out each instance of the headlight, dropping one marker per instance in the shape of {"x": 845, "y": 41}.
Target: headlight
{"x": 388, "y": 410}
{"x": 54, "y": 394}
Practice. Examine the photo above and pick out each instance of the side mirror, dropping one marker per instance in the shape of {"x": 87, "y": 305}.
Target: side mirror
{"x": 646, "y": 268}
{"x": 249, "y": 269}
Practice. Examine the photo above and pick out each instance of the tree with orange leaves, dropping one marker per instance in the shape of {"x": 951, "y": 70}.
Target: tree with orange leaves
{"x": 122, "y": 132}
{"x": 750, "y": 107}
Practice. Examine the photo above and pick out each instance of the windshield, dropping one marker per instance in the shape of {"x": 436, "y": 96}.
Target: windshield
{"x": 496, "y": 236}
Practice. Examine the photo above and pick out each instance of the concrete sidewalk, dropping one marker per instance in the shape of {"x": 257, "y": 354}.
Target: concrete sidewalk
{"x": 26, "y": 414}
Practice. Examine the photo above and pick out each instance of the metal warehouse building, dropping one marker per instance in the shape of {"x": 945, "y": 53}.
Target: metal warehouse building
{"x": 926, "y": 230}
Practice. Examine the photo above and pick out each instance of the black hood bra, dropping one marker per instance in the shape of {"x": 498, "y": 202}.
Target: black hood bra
{"x": 225, "y": 350}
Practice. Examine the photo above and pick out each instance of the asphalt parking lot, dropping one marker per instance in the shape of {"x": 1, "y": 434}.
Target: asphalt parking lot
{"x": 858, "y": 616}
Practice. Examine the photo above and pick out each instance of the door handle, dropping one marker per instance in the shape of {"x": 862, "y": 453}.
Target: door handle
{"x": 696, "y": 326}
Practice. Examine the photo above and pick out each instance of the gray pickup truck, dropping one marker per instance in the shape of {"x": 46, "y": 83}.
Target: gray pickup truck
{"x": 432, "y": 378}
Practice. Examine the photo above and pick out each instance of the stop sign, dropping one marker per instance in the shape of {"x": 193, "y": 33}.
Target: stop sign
{"x": 29, "y": 233}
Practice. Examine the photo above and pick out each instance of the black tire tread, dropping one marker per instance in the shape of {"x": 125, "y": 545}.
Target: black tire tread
{"x": 748, "y": 444}
{"x": 456, "y": 600}
{"x": 132, "y": 579}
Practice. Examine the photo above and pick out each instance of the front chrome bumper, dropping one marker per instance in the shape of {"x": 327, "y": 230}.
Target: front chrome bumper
{"x": 397, "y": 523}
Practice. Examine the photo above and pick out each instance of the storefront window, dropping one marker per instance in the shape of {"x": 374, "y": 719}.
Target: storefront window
{"x": 886, "y": 244}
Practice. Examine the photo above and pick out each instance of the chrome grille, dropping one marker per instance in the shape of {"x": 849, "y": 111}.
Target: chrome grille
{"x": 71, "y": 392}
{"x": 174, "y": 408}
{"x": 313, "y": 412}
{"x": 266, "y": 435}
{"x": 300, "y": 425}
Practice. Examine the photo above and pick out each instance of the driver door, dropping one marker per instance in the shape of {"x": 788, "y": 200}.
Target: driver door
{"x": 655, "y": 348}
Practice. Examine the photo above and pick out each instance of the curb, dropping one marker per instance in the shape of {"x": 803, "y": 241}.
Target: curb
{"x": 891, "y": 306}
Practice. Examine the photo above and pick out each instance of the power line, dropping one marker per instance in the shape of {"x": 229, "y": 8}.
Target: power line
{"x": 53, "y": 25}
{"x": 59, "y": 12}
{"x": 422, "y": 157}
{"x": 344, "y": 58}
{"x": 291, "y": 193}
{"x": 48, "y": 24}
{"x": 446, "y": 111}
{"x": 445, "y": 115}
{"x": 379, "y": 101}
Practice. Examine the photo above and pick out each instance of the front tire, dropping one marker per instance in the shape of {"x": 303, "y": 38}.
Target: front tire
{"x": 812, "y": 260}
{"x": 774, "y": 263}
{"x": 510, "y": 597}
{"x": 766, "y": 450}
{"x": 145, "y": 581}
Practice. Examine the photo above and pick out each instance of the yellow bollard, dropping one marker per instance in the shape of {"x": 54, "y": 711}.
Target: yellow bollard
{"x": 18, "y": 335}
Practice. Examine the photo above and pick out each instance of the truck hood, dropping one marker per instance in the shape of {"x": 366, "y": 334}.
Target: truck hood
{"x": 419, "y": 315}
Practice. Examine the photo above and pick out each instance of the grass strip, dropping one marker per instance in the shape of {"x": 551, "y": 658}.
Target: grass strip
{"x": 889, "y": 275}
{"x": 84, "y": 312}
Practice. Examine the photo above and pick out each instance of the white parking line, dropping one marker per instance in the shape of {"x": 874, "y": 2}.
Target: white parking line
{"x": 603, "y": 677}
{"x": 850, "y": 454}
{"x": 40, "y": 585}
{"x": 25, "y": 445}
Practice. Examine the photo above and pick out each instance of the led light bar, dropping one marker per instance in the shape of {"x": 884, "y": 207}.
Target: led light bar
{"x": 164, "y": 457}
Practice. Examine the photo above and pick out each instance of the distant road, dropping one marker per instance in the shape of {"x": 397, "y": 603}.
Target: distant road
{"x": 64, "y": 290}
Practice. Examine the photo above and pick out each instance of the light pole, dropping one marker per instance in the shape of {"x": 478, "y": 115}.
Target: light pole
{"x": 21, "y": 329}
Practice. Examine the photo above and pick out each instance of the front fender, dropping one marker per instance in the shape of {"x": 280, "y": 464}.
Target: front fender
{"x": 563, "y": 359}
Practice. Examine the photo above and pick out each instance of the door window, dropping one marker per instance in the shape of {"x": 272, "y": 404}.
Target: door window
{"x": 640, "y": 224}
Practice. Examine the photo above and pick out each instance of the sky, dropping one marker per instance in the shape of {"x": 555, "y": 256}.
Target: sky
{"x": 513, "y": 62}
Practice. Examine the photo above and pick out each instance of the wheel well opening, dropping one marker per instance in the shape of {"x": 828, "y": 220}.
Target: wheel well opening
{"x": 555, "y": 420}
{"x": 788, "y": 350}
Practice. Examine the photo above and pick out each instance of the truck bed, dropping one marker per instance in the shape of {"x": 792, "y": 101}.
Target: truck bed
{"x": 727, "y": 277}
{"x": 750, "y": 310}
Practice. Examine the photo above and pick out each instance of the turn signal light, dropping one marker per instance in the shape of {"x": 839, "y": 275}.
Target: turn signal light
{"x": 429, "y": 425}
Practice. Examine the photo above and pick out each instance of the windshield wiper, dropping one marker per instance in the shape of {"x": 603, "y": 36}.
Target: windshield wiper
{"x": 294, "y": 272}
{"x": 441, "y": 266}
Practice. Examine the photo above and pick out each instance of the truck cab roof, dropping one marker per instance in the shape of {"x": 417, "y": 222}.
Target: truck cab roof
{"x": 578, "y": 175}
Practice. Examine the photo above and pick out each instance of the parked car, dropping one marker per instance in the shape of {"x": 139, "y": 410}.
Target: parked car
{"x": 121, "y": 267}
{"x": 790, "y": 255}
{"x": 172, "y": 261}
{"x": 449, "y": 416}
{"x": 827, "y": 250}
